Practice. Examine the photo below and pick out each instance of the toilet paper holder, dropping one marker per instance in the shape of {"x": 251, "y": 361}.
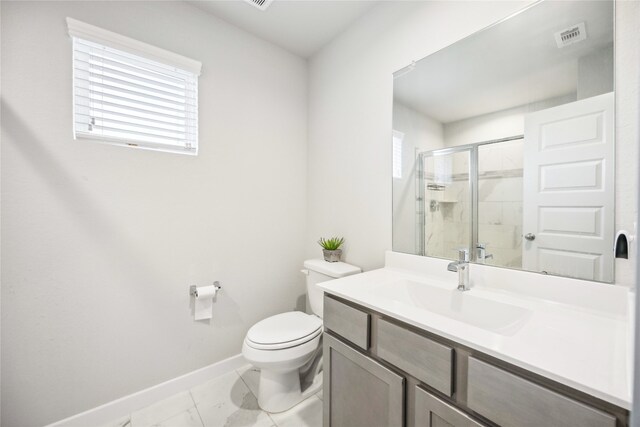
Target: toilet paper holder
{"x": 194, "y": 292}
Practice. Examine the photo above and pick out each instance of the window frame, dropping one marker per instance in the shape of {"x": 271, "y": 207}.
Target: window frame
{"x": 81, "y": 32}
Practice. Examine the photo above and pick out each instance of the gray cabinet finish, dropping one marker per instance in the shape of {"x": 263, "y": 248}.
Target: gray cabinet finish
{"x": 358, "y": 391}
{"x": 509, "y": 400}
{"x": 380, "y": 372}
{"x": 433, "y": 412}
{"x": 425, "y": 359}
{"x": 347, "y": 322}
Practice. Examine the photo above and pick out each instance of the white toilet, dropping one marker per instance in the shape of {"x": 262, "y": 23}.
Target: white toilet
{"x": 287, "y": 347}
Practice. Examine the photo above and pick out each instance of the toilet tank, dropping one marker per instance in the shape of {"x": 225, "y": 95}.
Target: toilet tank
{"x": 319, "y": 270}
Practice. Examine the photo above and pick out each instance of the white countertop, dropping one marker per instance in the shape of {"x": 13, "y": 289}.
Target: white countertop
{"x": 577, "y": 333}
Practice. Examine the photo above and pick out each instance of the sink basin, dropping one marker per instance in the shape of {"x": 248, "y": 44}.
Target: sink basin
{"x": 464, "y": 307}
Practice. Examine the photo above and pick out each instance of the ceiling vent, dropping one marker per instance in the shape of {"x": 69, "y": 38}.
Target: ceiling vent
{"x": 571, "y": 35}
{"x": 260, "y": 4}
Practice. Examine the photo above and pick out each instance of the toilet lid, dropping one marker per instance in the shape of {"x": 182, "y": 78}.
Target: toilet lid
{"x": 285, "y": 328}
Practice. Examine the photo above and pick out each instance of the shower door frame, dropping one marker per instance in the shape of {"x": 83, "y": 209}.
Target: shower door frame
{"x": 473, "y": 188}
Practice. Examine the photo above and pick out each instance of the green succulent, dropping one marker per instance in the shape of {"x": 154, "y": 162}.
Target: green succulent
{"x": 331, "y": 244}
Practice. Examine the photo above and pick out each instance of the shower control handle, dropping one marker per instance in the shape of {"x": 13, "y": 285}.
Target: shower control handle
{"x": 530, "y": 236}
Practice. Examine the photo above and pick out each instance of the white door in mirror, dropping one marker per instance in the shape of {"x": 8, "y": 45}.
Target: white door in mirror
{"x": 569, "y": 195}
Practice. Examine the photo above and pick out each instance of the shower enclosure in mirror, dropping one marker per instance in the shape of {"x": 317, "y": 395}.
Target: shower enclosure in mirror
{"x": 470, "y": 196}
{"x": 504, "y": 145}
{"x": 445, "y": 201}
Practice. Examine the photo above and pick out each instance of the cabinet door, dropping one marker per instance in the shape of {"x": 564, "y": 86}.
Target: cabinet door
{"x": 358, "y": 391}
{"x": 434, "y": 412}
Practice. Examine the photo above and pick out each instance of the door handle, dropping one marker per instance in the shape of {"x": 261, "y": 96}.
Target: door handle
{"x": 530, "y": 236}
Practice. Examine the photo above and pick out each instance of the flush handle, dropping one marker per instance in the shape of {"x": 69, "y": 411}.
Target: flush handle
{"x": 530, "y": 236}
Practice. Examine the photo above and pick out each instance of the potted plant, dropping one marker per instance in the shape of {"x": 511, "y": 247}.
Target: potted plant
{"x": 331, "y": 248}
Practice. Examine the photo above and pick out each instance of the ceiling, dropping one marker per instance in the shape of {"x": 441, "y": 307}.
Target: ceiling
{"x": 512, "y": 64}
{"x": 302, "y": 26}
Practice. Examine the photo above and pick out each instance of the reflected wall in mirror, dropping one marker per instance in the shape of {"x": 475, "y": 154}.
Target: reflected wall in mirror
{"x": 504, "y": 145}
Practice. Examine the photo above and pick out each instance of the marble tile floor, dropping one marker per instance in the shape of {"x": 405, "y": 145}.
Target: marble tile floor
{"x": 227, "y": 401}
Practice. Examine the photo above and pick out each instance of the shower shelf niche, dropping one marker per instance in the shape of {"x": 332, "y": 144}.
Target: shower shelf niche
{"x": 440, "y": 196}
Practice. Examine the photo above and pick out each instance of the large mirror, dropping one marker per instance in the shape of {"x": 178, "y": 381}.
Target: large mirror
{"x": 503, "y": 144}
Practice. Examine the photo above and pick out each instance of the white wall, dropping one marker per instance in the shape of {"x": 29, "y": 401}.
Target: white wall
{"x": 496, "y": 125}
{"x": 350, "y": 99}
{"x": 350, "y": 110}
{"x": 595, "y": 73}
{"x": 595, "y": 77}
{"x": 627, "y": 81}
{"x": 100, "y": 243}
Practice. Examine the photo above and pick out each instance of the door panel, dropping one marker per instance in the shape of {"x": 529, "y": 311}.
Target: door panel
{"x": 572, "y": 176}
{"x": 583, "y": 221}
{"x": 568, "y": 206}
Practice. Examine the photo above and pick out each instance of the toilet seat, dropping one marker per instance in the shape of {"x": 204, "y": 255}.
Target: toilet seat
{"x": 284, "y": 330}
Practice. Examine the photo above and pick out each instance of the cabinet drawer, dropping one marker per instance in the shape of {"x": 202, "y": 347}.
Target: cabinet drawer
{"x": 509, "y": 400}
{"x": 346, "y": 321}
{"x": 425, "y": 359}
{"x": 433, "y": 412}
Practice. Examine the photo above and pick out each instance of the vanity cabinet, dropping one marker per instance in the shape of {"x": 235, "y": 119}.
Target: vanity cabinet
{"x": 380, "y": 372}
{"x": 363, "y": 393}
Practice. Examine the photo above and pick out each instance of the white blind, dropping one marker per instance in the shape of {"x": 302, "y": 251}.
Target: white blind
{"x": 128, "y": 99}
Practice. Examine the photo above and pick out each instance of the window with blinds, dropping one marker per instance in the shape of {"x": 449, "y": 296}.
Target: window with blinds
{"x": 130, "y": 99}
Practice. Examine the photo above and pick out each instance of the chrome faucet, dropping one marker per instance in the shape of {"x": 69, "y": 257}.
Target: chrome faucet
{"x": 462, "y": 268}
{"x": 481, "y": 253}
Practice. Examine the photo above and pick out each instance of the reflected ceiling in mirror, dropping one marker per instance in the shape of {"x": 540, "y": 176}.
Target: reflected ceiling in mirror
{"x": 503, "y": 144}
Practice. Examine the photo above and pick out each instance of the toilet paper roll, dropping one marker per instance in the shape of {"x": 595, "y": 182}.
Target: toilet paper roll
{"x": 204, "y": 301}
{"x": 203, "y": 292}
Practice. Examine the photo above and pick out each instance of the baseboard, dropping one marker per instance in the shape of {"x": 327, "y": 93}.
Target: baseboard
{"x": 127, "y": 404}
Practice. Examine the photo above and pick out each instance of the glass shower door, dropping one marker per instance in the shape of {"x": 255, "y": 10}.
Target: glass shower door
{"x": 500, "y": 194}
{"x": 446, "y": 202}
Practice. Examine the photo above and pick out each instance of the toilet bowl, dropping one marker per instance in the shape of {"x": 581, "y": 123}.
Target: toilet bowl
{"x": 279, "y": 346}
{"x": 287, "y": 347}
